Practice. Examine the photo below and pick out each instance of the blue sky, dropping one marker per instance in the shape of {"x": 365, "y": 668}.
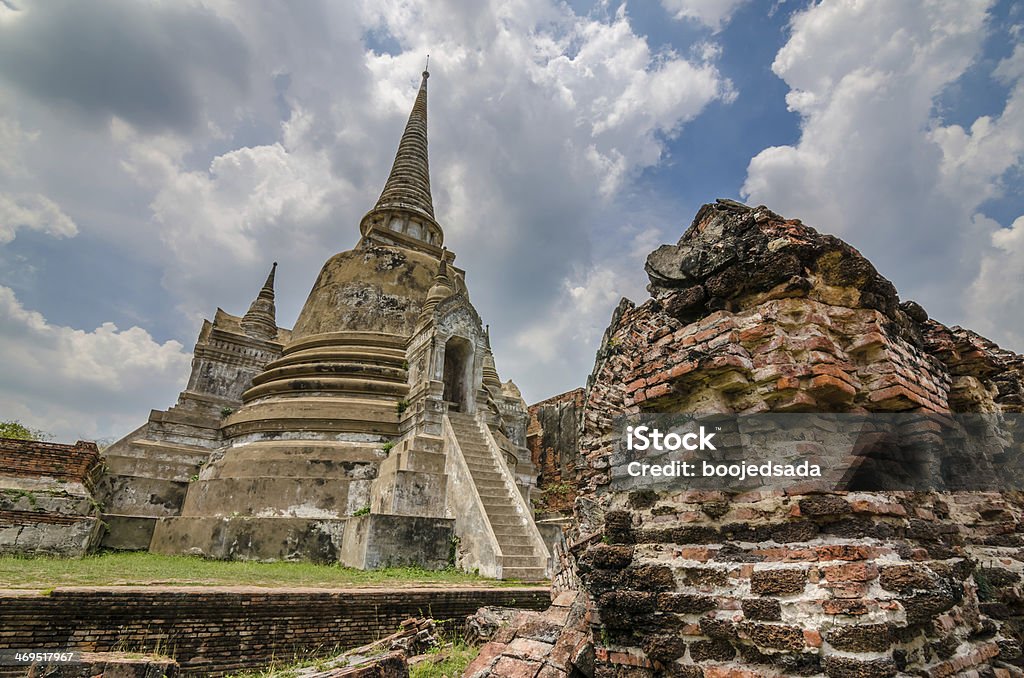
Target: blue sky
{"x": 155, "y": 159}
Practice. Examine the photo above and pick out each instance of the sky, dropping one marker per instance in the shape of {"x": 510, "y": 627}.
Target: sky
{"x": 157, "y": 156}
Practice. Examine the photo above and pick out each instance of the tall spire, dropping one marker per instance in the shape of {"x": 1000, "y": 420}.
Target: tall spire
{"x": 260, "y": 320}
{"x": 405, "y": 205}
{"x": 409, "y": 182}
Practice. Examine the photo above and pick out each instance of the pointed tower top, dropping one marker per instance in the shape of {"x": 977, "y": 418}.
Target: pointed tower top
{"x": 267, "y": 292}
{"x": 408, "y": 185}
{"x": 260, "y": 320}
{"x": 405, "y": 205}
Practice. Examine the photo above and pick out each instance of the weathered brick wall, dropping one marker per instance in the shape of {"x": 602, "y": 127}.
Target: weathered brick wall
{"x": 46, "y": 503}
{"x": 216, "y": 631}
{"x": 34, "y": 459}
{"x": 753, "y": 313}
{"x": 552, "y": 438}
{"x": 859, "y": 584}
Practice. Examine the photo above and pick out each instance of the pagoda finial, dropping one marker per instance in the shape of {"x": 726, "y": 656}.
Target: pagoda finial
{"x": 267, "y": 292}
{"x": 260, "y": 320}
{"x": 405, "y": 205}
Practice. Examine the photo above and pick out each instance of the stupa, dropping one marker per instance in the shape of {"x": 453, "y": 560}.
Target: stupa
{"x": 376, "y": 432}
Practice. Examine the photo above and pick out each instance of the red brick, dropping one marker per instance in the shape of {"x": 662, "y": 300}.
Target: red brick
{"x": 844, "y": 552}
{"x": 515, "y": 668}
{"x": 854, "y": 572}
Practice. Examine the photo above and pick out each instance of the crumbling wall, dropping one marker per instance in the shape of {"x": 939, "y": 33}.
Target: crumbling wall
{"x": 46, "y": 497}
{"x": 552, "y": 438}
{"x": 753, "y": 313}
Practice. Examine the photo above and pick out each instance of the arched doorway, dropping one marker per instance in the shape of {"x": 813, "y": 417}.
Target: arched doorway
{"x": 458, "y": 374}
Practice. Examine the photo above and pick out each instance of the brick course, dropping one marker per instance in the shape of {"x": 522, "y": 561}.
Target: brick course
{"x": 217, "y": 631}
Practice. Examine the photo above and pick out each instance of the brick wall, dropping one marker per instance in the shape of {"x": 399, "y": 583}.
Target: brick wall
{"x": 751, "y": 313}
{"x": 215, "y": 631}
{"x": 552, "y": 440}
{"x": 766, "y": 583}
{"x": 31, "y": 458}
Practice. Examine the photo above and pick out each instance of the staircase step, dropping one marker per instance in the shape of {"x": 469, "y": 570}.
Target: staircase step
{"x": 500, "y": 510}
{"x": 498, "y": 502}
{"x": 521, "y": 561}
{"x": 477, "y": 455}
{"x": 514, "y": 541}
{"x": 485, "y": 475}
{"x": 495, "y": 499}
{"x": 524, "y": 573}
{"x": 517, "y": 550}
{"x": 505, "y": 520}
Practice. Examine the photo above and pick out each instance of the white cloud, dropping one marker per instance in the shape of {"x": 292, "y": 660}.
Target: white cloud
{"x": 78, "y": 384}
{"x": 540, "y": 119}
{"x": 577, "y": 314}
{"x": 12, "y": 139}
{"x": 995, "y": 295}
{"x": 531, "y": 100}
{"x": 712, "y": 13}
{"x": 876, "y": 165}
{"x": 34, "y": 212}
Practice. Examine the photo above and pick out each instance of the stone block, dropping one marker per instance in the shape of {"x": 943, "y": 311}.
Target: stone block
{"x": 762, "y": 609}
{"x": 374, "y": 541}
{"x": 846, "y": 667}
{"x": 128, "y": 533}
{"x": 861, "y": 637}
{"x": 906, "y": 578}
{"x": 778, "y": 582}
{"x": 773, "y": 636}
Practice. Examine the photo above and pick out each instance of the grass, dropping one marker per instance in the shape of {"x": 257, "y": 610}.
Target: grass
{"x": 126, "y": 569}
{"x": 447, "y": 662}
{"x": 456, "y": 659}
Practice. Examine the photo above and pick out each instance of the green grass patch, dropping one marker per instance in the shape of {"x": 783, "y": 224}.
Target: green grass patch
{"x": 127, "y": 569}
{"x": 447, "y": 662}
{"x": 454, "y": 662}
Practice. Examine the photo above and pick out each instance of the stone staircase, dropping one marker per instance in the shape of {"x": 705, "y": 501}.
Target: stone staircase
{"x": 521, "y": 558}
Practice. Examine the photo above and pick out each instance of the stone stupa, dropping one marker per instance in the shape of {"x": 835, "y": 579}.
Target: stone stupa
{"x": 375, "y": 432}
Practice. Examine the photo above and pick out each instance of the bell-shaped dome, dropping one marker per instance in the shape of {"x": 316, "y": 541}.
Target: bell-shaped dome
{"x": 377, "y": 288}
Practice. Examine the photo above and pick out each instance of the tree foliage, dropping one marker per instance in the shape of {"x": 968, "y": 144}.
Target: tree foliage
{"x": 17, "y": 430}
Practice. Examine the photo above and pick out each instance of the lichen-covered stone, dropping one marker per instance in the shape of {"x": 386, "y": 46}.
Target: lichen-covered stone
{"x": 648, "y": 577}
{"x": 778, "y": 582}
{"x": 685, "y": 603}
{"x": 861, "y": 637}
{"x": 824, "y": 505}
{"x": 774, "y": 636}
{"x": 846, "y": 667}
{"x": 763, "y": 609}
{"x": 718, "y": 650}
{"x": 664, "y": 648}
{"x": 608, "y": 557}
{"x": 906, "y": 578}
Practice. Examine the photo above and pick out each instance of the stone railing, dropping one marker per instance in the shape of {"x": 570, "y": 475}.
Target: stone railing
{"x": 520, "y": 503}
{"x": 478, "y": 545}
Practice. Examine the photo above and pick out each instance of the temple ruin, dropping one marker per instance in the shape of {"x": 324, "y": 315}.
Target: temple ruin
{"x": 752, "y": 314}
{"x": 375, "y": 432}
